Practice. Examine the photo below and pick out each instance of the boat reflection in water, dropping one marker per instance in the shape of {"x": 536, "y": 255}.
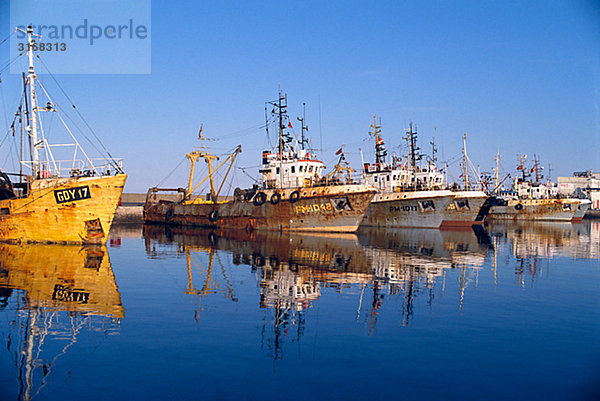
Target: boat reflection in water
{"x": 56, "y": 293}
{"x": 406, "y": 262}
{"x": 293, "y": 269}
{"x": 532, "y": 242}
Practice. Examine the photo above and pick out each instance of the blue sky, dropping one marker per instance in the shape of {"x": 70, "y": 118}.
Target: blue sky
{"x": 516, "y": 76}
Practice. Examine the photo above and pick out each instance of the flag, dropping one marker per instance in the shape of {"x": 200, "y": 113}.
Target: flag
{"x": 519, "y": 167}
{"x": 200, "y": 132}
{"x": 339, "y": 151}
{"x": 534, "y": 168}
{"x": 290, "y": 124}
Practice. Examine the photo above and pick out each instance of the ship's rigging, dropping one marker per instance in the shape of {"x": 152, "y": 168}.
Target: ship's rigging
{"x": 35, "y": 150}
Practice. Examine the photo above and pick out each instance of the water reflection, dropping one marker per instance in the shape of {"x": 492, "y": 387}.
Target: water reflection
{"x": 550, "y": 239}
{"x": 293, "y": 270}
{"x": 408, "y": 262}
{"x": 248, "y": 300}
{"x": 533, "y": 244}
{"x": 54, "y": 293}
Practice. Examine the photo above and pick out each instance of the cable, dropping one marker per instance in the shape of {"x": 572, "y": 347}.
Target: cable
{"x": 244, "y": 171}
{"x": 8, "y": 37}
{"x": 11, "y": 62}
{"x": 115, "y": 164}
{"x": 172, "y": 171}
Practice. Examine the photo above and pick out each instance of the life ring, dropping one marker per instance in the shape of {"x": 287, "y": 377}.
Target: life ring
{"x": 519, "y": 206}
{"x": 213, "y": 215}
{"x": 295, "y": 196}
{"x": 169, "y": 214}
{"x": 275, "y": 198}
{"x": 260, "y": 198}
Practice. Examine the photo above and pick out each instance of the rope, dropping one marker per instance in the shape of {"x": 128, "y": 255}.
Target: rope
{"x": 11, "y": 62}
{"x": 172, "y": 171}
{"x": 244, "y": 171}
{"x": 115, "y": 164}
{"x": 8, "y": 37}
{"x": 242, "y": 132}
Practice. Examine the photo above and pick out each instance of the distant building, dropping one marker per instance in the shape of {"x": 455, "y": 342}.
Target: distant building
{"x": 582, "y": 184}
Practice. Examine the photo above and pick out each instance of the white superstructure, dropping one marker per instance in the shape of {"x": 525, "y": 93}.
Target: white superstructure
{"x": 408, "y": 196}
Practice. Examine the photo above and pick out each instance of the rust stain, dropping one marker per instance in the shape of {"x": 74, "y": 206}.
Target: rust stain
{"x": 315, "y": 209}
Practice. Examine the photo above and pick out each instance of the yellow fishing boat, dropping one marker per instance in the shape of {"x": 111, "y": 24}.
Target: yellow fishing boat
{"x": 56, "y": 201}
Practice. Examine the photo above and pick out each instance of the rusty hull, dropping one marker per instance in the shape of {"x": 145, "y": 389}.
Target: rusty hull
{"x": 420, "y": 209}
{"x": 536, "y": 209}
{"x": 467, "y": 208}
{"x": 337, "y": 208}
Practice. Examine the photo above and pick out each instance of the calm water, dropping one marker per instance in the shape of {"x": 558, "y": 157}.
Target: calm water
{"x": 512, "y": 312}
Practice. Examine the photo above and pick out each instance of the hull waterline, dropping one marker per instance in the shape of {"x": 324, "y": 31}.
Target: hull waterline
{"x": 536, "y": 209}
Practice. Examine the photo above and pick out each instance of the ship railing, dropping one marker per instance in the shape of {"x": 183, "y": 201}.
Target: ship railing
{"x": 413, "y": 187}
{"x": 77, "y": 168}
{"x": 156, "y": 195}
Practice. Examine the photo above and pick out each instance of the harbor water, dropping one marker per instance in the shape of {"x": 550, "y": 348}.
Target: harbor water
{"x": 508, "y": 311}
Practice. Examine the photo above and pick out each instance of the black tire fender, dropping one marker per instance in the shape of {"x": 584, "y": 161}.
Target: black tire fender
{"x": 260, "y": 198}
{"x": 275, "y": 198}
{"x": 295, "y": 196}
{"x": 519, "y": 206}
{"x": 213, "y": 215}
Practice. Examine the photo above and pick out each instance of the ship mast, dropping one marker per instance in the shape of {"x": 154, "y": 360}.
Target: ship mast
{"x": 380, "y": 151}
{"x": 537, "y": 168}
{"x": 433, "y": 152}
{"x": 521, "y": 166}
{"x": 33, "y": 127}
{"x": 281, "y": 105}
{"x": 411, "y": 139}
{"x": 465, "y": 165}
{"x": 303, "y": 127}
{"x": 194, "y": 156}
{"x": 280, "y": 110}
{"x": 496, "y": 171}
